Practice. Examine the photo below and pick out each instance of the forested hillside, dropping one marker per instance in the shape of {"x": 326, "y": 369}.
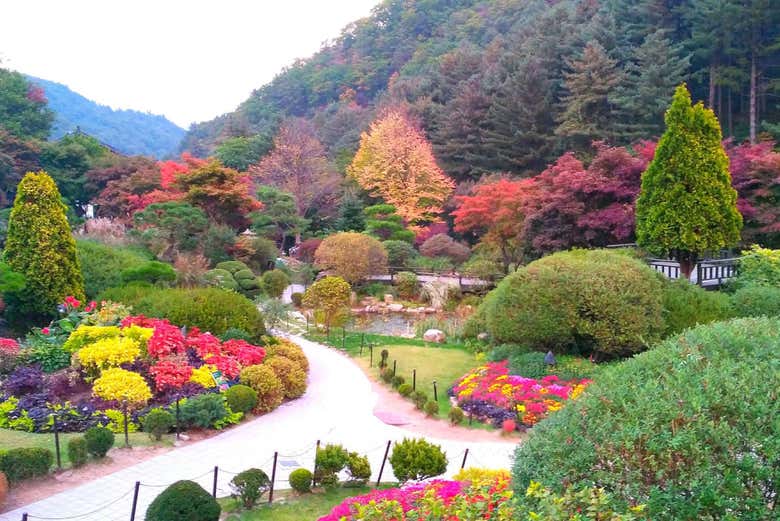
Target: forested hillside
{"x": 127, "y": 131}
{"x": 509, "y": 85}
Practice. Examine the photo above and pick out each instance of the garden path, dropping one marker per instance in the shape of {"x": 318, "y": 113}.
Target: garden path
{"x": 338, "y": 407}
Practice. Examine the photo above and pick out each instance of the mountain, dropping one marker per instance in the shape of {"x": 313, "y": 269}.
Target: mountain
{"x": 128, "y": 131}
{"x": 508, "y": 85}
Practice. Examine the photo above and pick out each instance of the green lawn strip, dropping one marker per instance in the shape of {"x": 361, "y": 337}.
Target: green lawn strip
{"x": 289, "y": 506}
{"x": 17, "y": 439}
{"x": 351, "y": 341}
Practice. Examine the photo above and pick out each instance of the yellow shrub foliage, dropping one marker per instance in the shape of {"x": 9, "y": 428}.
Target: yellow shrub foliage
{"x": 479, "y": 477}
{"x": 123, "y": 386}
{"x": 84, "y": 335}
{"x": 139, "y": 334}
{"x": 202, "y": 376}
{"x": 117, "y": 422}
{"x": 109, "y": 352}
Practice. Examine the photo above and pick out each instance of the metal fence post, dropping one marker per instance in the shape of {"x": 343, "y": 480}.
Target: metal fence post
{"x": 214, "y": 485}
{"x": 371, "y": 351}
{"x": 414, "y": 379}
{"x": 314, "y": 473}
{"x": 384, "y": 460}
{"x": 273, "y": 479}
{"x": 57, "y": 441}
{"x": 394, "y": 366}
{"x": 435, "y": 394}
{"x": 465, "y": 455}
{"x": 24, "y": 516}
{"x": 178, "y": 429}
{"x": 135, "y": 500}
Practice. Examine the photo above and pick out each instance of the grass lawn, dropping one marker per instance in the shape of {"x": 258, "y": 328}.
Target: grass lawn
{"x": 308, "y": 507}
{"x": 16, "y": 439}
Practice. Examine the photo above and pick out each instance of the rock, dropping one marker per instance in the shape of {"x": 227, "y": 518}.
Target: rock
{"x": 388, "y": 298}
{"x": 395, "y": 308}
{"x": 482, "y": 337}
{"x": 435, "y": 335}
{"x": 431, "y": 310}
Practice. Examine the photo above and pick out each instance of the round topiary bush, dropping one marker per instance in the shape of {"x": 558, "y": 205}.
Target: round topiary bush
{"x": 289, "y": 350}
{"x": 756, "y": 301}
{"x": 184, "y": 501}
{"x": 297, "y": 299}
{"x": 241, "y": 398}
{"x": 249, "y": 486}
{"x": 77, "y": 451}
{"x": 274, "y": 283}
{"x": 293, "y": 378}
{"x": 420, "y": 399}
{"x": 300, "y": 480}
{"x": 595, "y": 301}
{"x": 99, "y": 441}
{"x": 263, "y": 379}
{"x": 688, "y": 428}
{"x": 431, "y": 409}
{"x": 456, "y": 415}
{"x": 405, "y": 389}
{"x": 158, "y": 422}
{"x": 417, "y": 459}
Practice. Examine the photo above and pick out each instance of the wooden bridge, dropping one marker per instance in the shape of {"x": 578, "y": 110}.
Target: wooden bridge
{"x": 709, "y": 273}
{"x": 468, "y": 283}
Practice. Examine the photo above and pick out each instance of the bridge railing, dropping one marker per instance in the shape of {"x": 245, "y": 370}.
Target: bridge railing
{"x": 709, "y": 272}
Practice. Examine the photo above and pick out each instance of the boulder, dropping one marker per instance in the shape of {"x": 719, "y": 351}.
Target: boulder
{"x": 435, "y": 335}
{"x": 395, "y": 308}
{"x": 482, "y": 337}
{"x": 388, "y": 298}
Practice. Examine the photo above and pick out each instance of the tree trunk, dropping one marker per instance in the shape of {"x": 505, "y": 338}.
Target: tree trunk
{"x": 687, "y": 261}
{"x": 731, "y": 110}
{"x": 711, "y": 100}
{"x": 753, "y": 115}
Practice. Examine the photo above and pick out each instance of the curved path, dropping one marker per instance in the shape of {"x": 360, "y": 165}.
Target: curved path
{"x": 337, "y": 408}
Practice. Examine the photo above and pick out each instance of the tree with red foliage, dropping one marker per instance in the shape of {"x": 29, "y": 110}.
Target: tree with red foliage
{"x": 755, "y": 174}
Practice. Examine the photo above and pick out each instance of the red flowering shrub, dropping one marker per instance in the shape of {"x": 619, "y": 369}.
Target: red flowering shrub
{"x": 205, "y": 345}
{"x": 170, "y": 373}
{"x": 246, "y": 353}
{"x": 166, "y": 340}
{"x": 9, "y": 345}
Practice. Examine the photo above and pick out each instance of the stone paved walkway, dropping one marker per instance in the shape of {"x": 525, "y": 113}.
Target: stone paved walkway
{"x": 337, "y": 408}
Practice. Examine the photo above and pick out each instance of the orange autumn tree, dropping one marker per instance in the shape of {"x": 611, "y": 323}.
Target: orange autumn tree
{"x": 396, "y": 162}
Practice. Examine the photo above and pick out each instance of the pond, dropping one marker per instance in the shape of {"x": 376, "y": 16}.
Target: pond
{"x": 392, "y": 324}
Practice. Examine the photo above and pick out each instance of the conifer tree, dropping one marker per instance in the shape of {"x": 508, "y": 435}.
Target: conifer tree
{"x": 40, "y": 247}
{"x": 686, "y": 205}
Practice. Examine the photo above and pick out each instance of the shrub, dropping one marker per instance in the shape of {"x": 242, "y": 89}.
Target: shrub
{"x": 416, "y": 459}
{"x": 203, "y": 410}
{"x": 25, "y": 379}
{"x": 217, "y": 242}
{"x": 274, "y": 283}
{"x": 232, "y": 266}
{"x": 420, "y": 399}
{"x": 300, "y": 480}
{"x": 123, "y": 386}
{"x": 396, "y": 381}
{"x": 358, "y": 468}
{"x": 384, "y": 354}
{"x": 268, "y": 386}
{"x": 328, "y": 462}
{"x": 528, "y": 365}
{"x": 153, "y": 272}
{"x": 191, "y": 269}
{"x": 399, "y": 253}
{"x": 297, "y": 299}
{"x": 687, "y": 305}
{"x": 442, "y": 245}
{"x": 184, "y": 501}
{"x": 755, "y": 301}
{"x": 249, "y": 486}
{"x": 158, "y": 422}
{"x": 108, "y": 352}
{"x": 759, "y": 266}
{"x": 329, "y": 297}
{"x": 352, "y": 256}
{"x": 305, "y": 251}
{"x": 209, "y": 309}
{"x": 241, "y": 398}
{"x": 456, "y": 415}
{"x": 508, "y": 426}
{"x": 99, "y": 441}
{"x": 77, "y": 451}
{"x": 221, "y": 279}
{"x": 432, "y": 409}
{"x": 293, "y": 378}
{"x": 102, "y": 265}
{"x": 235, "y": 333}
{"x": 538, "y": 502}
{"x": 407, "y": 284}
{"x": 710, "y": 387}
{"x": 247, "y": 281}
{"x": 405, "y": 389}
{"x": 290, "y": 350}
{"x": 39, "y": 245}
{"x": 599, "y": 301}
{"x": 386, "y": 374}
{"x": 25, "y": 463}
{"x": 258, "y": 253}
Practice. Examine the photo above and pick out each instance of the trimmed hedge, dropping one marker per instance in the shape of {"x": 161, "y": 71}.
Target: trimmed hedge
{"x": 184, "y": 501}
{"x": 25, "y": 463}
{"x": 687, "y": 305}
{"x": 300, "y": 480}
{"x": 77, "y": 451}
{"x": 688, "y": 428}
{"x": 102, "y": 265}
{"x": 241, "y": 398}
{"x": 756, "y": 301}
{"x": 595, "y": 301}
{"x": 210, "y": 309}
{"x": 269, "y": 388}
{"x": 99, "y": 441}
{"x": 293, "y": 378}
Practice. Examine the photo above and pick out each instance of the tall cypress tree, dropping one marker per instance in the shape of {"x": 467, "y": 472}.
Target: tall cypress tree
{"x": 40, "y": 246}
{"x": 686, "y": 205}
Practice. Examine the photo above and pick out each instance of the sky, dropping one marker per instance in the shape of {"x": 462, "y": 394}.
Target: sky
{"x": 188, "y": 60}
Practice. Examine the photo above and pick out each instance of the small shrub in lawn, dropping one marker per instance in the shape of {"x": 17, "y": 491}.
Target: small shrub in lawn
{"x": 275, "y": 282}
{"x": 297, "y": 299}
{"x": 405, "y": 389}
{"x": 203, "y": 410}
{"x": 77, "y": 451}
{"x": 300, "y": 480}
{"x": 328, "y": 462}
{"x": 158, "y": 422}
{"x": 416, "y": 459}
{"x": 359, "y": 469}
{"x": 261, "y": 378}
{"x": 153, "y": 272}
{"x": 386, "y": 374}
{"x": 184, "y": 501}
{"x": 249, "y": 486}
{"x": 241, "y": 398}
{"x": 25, "y": 463}
{"x": 99, "y": 441}
{"x": 397, "y": 381}
{"x": 432, "y": 408}
{"x": 420, "y": 399}
{"x": 456, "y": 415}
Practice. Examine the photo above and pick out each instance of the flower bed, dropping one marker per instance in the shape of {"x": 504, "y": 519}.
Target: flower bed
{"x": 490, "y": 393}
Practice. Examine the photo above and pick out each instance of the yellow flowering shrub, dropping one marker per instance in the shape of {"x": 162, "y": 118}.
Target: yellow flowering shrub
{"x": 139, "y": 334}
{"x": 84, "y": 335}
{"x": 202, "y": 376}
{"x": 108, "y": 352}
{"x": 479, "y": 477}
{"x": 116, "y": 422}
{"x": 123, "y": 386}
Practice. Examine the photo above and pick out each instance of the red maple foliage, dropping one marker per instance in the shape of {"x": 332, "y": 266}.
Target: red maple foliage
{"x": 170, "y": 373}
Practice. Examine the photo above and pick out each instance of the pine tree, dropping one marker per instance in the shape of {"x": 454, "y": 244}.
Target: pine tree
{"x": 587, "y": 114}
{"x": 40, "y": 247}
{"x": 686, "y": 205}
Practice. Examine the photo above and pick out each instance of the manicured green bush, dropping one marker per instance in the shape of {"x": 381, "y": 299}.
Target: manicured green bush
{"x": 300, "y": 480}
{"x": 759, "y": 267}
{"x": 232, "y": 266}
{"x": 221, "y": 279}
{"x": 153, "y": 272}
{"x": 420, "y": 399}
{"x": 529, "y": 365}
{"x": 417, "y": 459}
{"x": 297, "y": 299}
{"x": 687, "y": 305}
{"x": 386, "y": 374}
{"x": 756, "y": 301}
{"x": 432, "y": 409}
{"x": 407, "y": 284}
{"x": 235, "y": 333}
{"x": 293, "y": 378}
{"x": 595, "y": 301}
{"x": 688, "y": 428}
{"x": 25, "y": 463}
{"x": 210, "y": 309}
{"x": 77, "y": 451}
{"x": 397, "y": 381}
{"x": 184, "y": 501}
{"x": 102, "y": 265}
{"x": 269, "y": 388}
{"x": 358, "y": 468}
{"x": 158, "y": 422}
{"x": 203, "y": 410}
{"x": 274, "y": 283}
{"x": 99, "y": 441}
{"x": 287, "y": 349}
{"x": 456, "y": 415}
{"x": 405, "y": 389}
{"x": 249, "y": 486}
{"x": 328, "y": 462}
{"x": 241, "y": 398}
{"x": 399, "y": 253}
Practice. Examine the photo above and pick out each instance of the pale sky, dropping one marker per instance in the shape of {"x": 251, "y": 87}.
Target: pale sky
{"x": 190, "y": 60}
